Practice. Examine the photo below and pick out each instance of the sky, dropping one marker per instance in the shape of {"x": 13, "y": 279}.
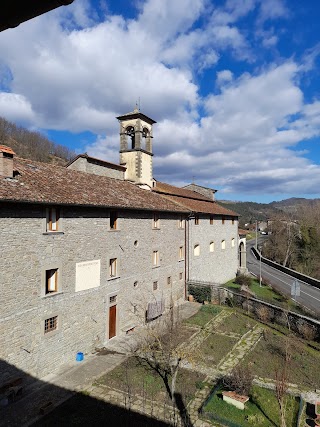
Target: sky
{"x": 233, "y": 85}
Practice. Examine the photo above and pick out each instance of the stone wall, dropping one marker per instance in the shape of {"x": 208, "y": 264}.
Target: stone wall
{"x": 217, "y": 266}
{"x": 85, "y": 235}
{"x": 88, "y": 165}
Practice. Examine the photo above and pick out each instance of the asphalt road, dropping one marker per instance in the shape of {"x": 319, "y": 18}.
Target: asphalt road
{"x": 309, "y": 295}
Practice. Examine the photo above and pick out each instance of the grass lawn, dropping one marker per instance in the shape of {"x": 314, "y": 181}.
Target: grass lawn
{"x": 206, "y": 313}
{"x": 141, "y": 380}
{"x": 261, "y": 410}
{"x": 263, "y": 292}
{"x": 236, "y": 323}
{"x": 268, "y": 355}
{"x": 215, "y": 347}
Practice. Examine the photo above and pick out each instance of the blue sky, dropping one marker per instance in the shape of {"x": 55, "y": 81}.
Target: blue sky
{"x": 233, "y": 86}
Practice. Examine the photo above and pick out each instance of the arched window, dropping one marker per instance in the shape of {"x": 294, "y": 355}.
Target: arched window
{"x": 232, "y": 242}
{"x": 211, "y": 246}
{"x": 196, "y": 250}
{"x": 130, "y": 133}
{"x": 223, "y": 244}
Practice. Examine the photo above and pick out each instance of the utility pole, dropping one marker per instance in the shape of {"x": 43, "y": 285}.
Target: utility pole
{"x": 260, "y": 278}
{"x": 256, "y": 234}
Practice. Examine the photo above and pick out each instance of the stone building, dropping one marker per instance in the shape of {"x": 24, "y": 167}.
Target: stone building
{"x": 92, "y": 250}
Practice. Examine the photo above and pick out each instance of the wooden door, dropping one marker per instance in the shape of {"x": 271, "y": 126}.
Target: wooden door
{"x": 112, "y": 321}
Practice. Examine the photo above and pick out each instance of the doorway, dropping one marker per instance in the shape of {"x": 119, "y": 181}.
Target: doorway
{"x": 112, "y": 317}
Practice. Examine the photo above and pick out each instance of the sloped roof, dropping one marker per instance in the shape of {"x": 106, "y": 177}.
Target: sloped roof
{"x": 37, "y": 182}
{"x": 168, "y": 189}
{"x": 196, "y": 202}
{"x": 96, "y": 160}
{"x": 5, "y": 149}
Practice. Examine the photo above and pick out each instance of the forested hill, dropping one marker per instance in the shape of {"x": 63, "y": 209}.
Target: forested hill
{"x": 250, "y": 211}
{"x": 33, "y": 145}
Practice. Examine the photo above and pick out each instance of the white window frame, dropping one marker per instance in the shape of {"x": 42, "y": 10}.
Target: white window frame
{"x": 196, "y": 249}
{"x": 53, "y": 220}
{"x": 155, "y": 259}
{"x": 113, "y": 267}
{"x": 155, "y": 221}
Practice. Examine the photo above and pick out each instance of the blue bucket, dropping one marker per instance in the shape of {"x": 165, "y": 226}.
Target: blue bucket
{"x": 79, "y": 357}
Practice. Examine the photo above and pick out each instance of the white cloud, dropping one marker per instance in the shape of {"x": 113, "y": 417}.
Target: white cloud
{"x": 69, "y": 71}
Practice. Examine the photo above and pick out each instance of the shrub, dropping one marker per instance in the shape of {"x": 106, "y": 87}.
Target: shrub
{"x": 264, "y": 313}
{"x": 243, "y": 280}
{"x": 200, "y": 293}
{"x": 307, "y": 331}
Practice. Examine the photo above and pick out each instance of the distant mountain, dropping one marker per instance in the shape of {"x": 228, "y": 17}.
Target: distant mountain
{"x": 33, "y": 145}
{"x": 250, "y": 211}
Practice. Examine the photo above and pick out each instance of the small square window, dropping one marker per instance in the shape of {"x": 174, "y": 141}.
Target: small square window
{"x": 155, "y": 286}
{"x": 155, "y": 258}
{"x": 53, "y": 216}
{"x": 211, "y": 219}
{"x": 180, "y": 276}
{"x": 113, "y": 299}
{"x": 155, "y": 220}
{"x": 50, "y": 324}
{"x": 196, "y": 220}
{"x": 113, "y": 220}
{"x": 113, "y": 267}
{"x": 51, "y": 281}
{"x": 169, "y": 280}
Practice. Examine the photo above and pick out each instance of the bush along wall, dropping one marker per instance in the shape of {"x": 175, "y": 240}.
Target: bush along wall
{"x": 200, "y": 293}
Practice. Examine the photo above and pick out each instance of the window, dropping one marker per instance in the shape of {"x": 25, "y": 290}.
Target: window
{"x": 113, "y": 267}
{"x": 211, "y": 219}
{"x": 113, "y": 299}
{"x": 113, "y": 220}
{"x": 196, "y": 250}
{"x": 211, "y": 246}
{"x": 155, "y": 286}
{"x": 196, "y": 220}
{"x": 181, "y": 254}
{"x": 232, "y": 221}
{"x": 50, "y": 324}
{"x": 135, "y": 284}
{"x": 180, "y": 276}
{"x": 232, "y": 242}
{"x": 51, "y": 281}
{"x": 155, "y": 258}
{"x": 53, "y": 216}
{"x": 223, "y": 220}
{"x": 223, "y": 244}
{"x": 181, "y": 222}
{"x": 169, "y": 280}
{"x": 155, "y": 220}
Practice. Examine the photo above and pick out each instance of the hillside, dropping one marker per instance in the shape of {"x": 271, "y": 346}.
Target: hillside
{"x": 33, "y": 145}
{"x": 250, "y": 211}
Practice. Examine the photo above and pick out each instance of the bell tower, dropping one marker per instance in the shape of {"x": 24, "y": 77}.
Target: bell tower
{"x": 136, "y": 147}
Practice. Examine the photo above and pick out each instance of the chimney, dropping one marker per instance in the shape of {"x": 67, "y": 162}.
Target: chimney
{"x": 6, "y": 161}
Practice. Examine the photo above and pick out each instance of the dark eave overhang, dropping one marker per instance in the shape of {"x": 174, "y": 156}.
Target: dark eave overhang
{"x": 14, "y": 12}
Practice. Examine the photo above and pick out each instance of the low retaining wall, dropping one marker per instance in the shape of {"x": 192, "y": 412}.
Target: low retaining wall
{"x": 305, "y": 326}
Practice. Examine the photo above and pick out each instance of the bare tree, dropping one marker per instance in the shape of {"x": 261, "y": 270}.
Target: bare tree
{"x": 157, "y": 347}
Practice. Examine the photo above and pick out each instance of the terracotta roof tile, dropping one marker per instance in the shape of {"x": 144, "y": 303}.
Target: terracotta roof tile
{"x": 164, "y": 188}
{"x": 37, "y": 182}
{"x": 5, "y": 149}
{"x": 191, "y": 200}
